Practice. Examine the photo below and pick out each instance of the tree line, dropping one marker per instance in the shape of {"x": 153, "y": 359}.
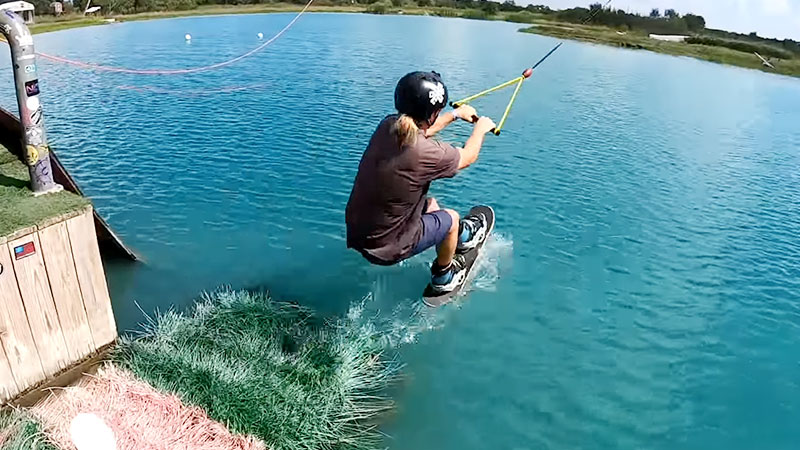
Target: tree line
{"x": 670, "y": 22}
{"x": 657, "y": 22}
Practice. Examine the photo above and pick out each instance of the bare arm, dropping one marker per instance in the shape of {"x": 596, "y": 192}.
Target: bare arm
{"x": 464, "y": 112}
{"x": 469, "y": 154}
{"x": 441, "y": 123}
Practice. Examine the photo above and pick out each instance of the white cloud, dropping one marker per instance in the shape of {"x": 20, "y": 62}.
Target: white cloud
{"x": 777, "y": 7}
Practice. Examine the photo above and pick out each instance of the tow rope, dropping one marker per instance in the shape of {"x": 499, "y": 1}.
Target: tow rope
{"x": 103, "y": 68}
{"x": 518, "y": 81}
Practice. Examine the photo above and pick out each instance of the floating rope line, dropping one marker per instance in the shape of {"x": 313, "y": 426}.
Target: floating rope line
{"x": 102, "y": 68}
{"x": 193, "y": 92}
{"x": 519, "y": 80}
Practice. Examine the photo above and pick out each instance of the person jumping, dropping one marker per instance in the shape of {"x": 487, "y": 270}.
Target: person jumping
{"x": 389, "y": 216}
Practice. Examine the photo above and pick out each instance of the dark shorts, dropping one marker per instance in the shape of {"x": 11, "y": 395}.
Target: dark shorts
{"x": 435, "y": 227}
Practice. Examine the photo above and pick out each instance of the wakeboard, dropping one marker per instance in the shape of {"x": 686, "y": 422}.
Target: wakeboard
{"x": 435, "y": 298}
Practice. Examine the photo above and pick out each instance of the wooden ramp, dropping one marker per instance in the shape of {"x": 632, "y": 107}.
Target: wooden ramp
{"x": 56, "y": 310}
{"x": 111, "y": 246}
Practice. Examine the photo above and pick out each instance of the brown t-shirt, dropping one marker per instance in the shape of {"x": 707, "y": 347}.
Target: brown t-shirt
{"x": 385, "y": 209}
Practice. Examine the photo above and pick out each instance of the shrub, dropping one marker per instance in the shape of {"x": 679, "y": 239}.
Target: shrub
{"x": 446, "y": 12}
{"x": 381, "y": 7}
{"x": 521, "y": 17}
{"x": 490, "y": 8}
{"x": 268, "y": 369}
{"x": 479, "y": 14}
{"x": 764, "y": 50}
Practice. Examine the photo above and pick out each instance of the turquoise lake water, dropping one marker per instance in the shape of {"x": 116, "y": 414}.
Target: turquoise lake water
{"x": 642, "y": 289}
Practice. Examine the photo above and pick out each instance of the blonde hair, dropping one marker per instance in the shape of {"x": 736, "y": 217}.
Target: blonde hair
{"x": 405, "y": 130}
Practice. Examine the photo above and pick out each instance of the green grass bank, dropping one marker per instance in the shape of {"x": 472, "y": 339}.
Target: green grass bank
{"x": 269, "y": 369}
{"x": 20, "y": 209}
{"x": 639, "y": 40}
{"x": 266, "y": 369}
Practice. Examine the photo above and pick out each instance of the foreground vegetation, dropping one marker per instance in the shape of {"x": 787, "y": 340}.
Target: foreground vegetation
{"x": 19, "y": 431}
{"x": 267, "y": 369}
{"x": 238, "y": 371}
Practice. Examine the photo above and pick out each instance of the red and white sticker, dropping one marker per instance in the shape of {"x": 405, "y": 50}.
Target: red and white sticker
{"x": 24, "y": 250}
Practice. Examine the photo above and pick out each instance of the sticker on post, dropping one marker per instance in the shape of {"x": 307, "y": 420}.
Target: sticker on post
{"x": 33, "y": 102}
{"x": 30, "y": 68}
{"x": 32, "y": 88}
{"x": 24, "y": 250}
{"x": 33, "y": 155}
{"x": 34, "y": 136}
{"x": 24, "y": 39}
{"x": 36, "y": 116}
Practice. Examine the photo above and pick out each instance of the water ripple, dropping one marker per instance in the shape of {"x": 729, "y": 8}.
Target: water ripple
{"x": 648, "y": 299}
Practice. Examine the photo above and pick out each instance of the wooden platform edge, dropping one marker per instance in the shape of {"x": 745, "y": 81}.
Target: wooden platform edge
{"x": 111, "y": 246}
{"x": 66, "y": 377}
{"x": 50, "y": 221}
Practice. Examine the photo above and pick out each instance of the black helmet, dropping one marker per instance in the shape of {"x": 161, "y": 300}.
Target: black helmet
{"x": 420, "y": 95}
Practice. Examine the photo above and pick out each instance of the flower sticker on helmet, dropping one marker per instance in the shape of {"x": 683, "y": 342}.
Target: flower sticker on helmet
{"x": 436, "y": 94}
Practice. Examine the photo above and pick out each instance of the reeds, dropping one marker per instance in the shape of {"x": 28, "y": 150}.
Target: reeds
{"x": 19, "y": 431}
{"x": 268, "y": 369}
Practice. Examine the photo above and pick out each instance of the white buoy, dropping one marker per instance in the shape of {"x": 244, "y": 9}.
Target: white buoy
{"x": 261, "y": 35}
{"x": 89, "y": 432}
{"x": 188, "y": 37}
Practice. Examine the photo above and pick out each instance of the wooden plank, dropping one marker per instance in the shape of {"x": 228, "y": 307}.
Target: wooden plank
{"x": 38, "y": 300}
{"x": 15, "y": 332}
{"x": 61, "y": 272}
{"x": 8, "y": 386}
{"x": 69, "y": 377}
{"x": 92, "y": 279}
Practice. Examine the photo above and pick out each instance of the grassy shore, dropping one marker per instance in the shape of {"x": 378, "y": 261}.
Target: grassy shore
{"x": 540, "y": 24}
{"x": 637, "y": 40}
{"x": 46, "y": 24}
{"x": 20, "y": 209}
{"x": 49, "y": 23}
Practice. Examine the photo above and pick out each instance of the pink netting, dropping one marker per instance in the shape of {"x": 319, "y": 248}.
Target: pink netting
{"x": 140, "y": 417}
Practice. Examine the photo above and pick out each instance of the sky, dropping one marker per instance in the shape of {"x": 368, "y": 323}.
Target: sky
{"x": 770, "y": 18}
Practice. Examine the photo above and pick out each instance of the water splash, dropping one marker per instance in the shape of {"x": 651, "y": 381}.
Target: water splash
{"x": 396, "y": 323}
{"x": 495, "y": 259}
{"x": 395, "y": 326}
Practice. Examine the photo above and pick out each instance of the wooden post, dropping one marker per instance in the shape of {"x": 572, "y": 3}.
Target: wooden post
{"x": 23, "y": 59}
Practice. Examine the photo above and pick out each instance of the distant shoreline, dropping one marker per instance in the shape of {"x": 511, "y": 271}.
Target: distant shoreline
{"x": 537, "y": 24}
{"x": 640, "y": 41}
